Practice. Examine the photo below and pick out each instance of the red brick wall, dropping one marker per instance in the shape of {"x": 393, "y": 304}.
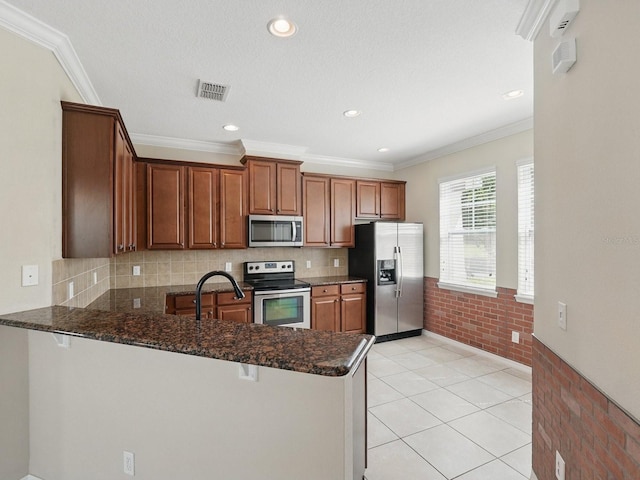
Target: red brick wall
{"x": 596, "y": 439}
{"x": 480, "y": 321}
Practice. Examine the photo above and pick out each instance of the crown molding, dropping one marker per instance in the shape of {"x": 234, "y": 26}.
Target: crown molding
{"x": 534, "y": 17}
{"x": 185, "y": 144}
{"x": 497, "y": 134}
{"x": 269, "y": 149}
{"x": 347, "y": 162}
{"x": 38, "y": 32}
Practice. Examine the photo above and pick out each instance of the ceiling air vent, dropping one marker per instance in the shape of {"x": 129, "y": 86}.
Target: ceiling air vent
{"x": 212, "y": 91}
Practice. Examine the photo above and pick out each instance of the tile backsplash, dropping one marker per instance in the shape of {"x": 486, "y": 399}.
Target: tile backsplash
{"x": 177, "y": 267}
{"x": 91, "y": 277}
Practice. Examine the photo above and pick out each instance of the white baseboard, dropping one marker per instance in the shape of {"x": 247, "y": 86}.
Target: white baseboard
{"x": 478, "y": 351}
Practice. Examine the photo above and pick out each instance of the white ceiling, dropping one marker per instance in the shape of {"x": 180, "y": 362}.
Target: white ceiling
{"x": 426, "y": 74}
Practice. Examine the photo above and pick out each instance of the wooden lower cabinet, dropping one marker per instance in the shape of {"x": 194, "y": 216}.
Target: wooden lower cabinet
{"x": 229, "y": 308}
{"x": 339, "y": 307}
{"x": 186, "y": 305}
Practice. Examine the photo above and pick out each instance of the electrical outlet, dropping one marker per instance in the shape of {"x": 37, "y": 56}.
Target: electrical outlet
{"x": 29, "y": 275}
{"x": 336, "y": 262}
{"x": 129, "y": 463}
{"x": 562, "y": 315}
{"x": 308, "y": 263}
{"x": 70, "y": 290}
{"x": 559, "y": 466}
{"x": 95, "y": 278}
{"x": 227, "y": 267}
{"x": 136, "y": 270}
{"x": 515, "y": 337}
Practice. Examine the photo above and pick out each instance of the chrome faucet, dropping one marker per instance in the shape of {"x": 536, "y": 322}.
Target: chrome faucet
{"x": 236, "y": 288}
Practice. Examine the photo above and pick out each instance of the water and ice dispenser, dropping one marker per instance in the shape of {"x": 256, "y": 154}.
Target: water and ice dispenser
{"x": 386, "y": 272}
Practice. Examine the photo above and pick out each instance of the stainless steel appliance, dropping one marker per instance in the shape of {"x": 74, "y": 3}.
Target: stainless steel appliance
{"x": 275, "y": 231}
{"x": 390, "y": 256}
{"x": 278, "y": 298}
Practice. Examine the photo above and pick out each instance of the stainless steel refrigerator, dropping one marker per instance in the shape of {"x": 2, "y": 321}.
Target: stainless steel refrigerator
{"x": 390, "y": 256}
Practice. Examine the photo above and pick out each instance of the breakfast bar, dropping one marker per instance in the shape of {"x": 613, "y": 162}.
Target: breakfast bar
{"x": 190, "y": 399}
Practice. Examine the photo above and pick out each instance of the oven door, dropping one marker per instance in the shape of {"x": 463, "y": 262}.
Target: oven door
{"x": 283, "y": 308}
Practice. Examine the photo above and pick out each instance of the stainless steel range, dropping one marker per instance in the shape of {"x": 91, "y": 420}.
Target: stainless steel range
{"x": 278, "y": 298}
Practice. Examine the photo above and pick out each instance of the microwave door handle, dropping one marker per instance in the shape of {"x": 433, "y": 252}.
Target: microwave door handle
{"x": 293, "y": 231}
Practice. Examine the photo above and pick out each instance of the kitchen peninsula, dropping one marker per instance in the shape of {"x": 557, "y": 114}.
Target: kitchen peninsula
{"x": 192, "y": 404}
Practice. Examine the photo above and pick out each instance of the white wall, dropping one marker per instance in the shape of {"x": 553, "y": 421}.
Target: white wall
{"x": 423, "y": 202}
{"x": 587, "y": 151}
{"x": 32, "y": 84}
{"x": 184, "y": 417}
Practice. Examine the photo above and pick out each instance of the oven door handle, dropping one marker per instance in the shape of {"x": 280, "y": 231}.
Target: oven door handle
{"x": 280, "y": 292}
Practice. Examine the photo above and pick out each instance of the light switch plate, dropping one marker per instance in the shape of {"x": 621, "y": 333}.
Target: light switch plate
{"x": 562, "y": 315}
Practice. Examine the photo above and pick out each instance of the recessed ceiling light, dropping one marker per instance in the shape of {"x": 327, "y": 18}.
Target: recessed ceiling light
{"x": 231, "y": 128}
{"x": 281, "y": 27}
{"x": 383, "y": 149}
{"x": 351, "y": 113}
{"x": 512, "y": 94}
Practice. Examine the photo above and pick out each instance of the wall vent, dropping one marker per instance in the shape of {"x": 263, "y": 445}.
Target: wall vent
{"x": 562, "y": 16}
{"x": 212, "y": 91}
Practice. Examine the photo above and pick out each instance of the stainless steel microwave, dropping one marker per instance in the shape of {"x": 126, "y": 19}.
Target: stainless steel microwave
{"x": 275, "y": 231}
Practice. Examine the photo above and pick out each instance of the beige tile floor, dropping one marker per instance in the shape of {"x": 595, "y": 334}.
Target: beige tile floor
{"x": 439, "y": 411}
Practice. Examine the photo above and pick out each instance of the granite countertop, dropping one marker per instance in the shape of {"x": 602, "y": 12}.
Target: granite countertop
{"x": 133, "y": 316}
{"x": 317, "y": 281}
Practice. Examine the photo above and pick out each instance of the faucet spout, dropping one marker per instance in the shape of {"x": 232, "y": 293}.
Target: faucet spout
{"x": 236, "y": 288}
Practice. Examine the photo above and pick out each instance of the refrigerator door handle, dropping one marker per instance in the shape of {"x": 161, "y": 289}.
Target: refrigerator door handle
{"x": 401, "y": 275}
{"x": 396, "y": 258}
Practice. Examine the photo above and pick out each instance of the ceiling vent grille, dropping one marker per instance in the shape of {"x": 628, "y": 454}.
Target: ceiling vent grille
{"x": 212, "y": 91}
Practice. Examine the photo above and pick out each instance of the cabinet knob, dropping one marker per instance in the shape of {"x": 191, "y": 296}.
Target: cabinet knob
{"x": 120, "y": 247}
{"x": 324, "y": 291}
{"x": 215, "y": 244}
{"x": 222, "y": 244}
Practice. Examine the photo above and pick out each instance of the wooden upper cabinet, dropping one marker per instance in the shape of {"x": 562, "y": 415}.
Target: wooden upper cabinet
{"x": 98, "y": 183}
{"x": 392, "y": 200}
{"x": 274, "y": 186}
{"x": 343, "y": 201}
{"x": 316, "y": 210}
{"x": 367, "y": 199}
{"x": 203, "y": 200}
{"x": 165, "y": 206}
{"x": 233, "y": 208}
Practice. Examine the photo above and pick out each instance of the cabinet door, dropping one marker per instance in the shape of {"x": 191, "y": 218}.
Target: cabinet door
{"x": 240, "y": 313}
{"x": 353, "y": 308}
{"x": 392, "y": 201}
{"x": 262, "y": 185}
{"x": 288, "y": 189}
{"x": 367, "y": 199}
{"x": 203, "y": 207}
{"x": 325, "y": 313}
{"x": 233, "y": 209}
{"x": 119, "y": 195}
{"x": 165, "y": 204}
{"x": 130, "y": 211}
{"x": 315, "y": 209}
{"x": 343, "y": 200}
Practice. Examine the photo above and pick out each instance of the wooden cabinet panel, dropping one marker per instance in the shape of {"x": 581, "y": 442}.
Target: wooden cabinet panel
{"x": 203, "y": 207}
{"x": 165, "y": 205}
{"x": 343, "y": 200}
{"x": 186, "y": 305}
{"x": 289, "y": 189}
{"x": 274, "y": 186}
{"x": 367, "y": 199}
{"x": 229, "y": 308}
{"x": 262, "y": 187}
{"x": 339, "y": 307}
{"x": 233, "y": 209}
{"x": 98, "y": 201}
{"x": 392, "y": 201}
{"x": 316, "y": 210}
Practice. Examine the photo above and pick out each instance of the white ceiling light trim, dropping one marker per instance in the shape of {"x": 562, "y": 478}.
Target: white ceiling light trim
{"x": 352, "y": 113}
{"x": 282, "y": 27}
{"x": 497, "y": 134}
{"x": 34, "y": 30}
{"x": 197, "y": 145}
{"x": 533, "y": 18}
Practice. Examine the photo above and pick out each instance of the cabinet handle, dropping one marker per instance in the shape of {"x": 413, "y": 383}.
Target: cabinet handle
{"x": 222, "y": 244}
{"x": 120, "y": 247}
{"x": 215, "y": 244}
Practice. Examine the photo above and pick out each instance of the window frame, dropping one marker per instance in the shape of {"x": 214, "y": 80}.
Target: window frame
{"x": 526, "y": 229}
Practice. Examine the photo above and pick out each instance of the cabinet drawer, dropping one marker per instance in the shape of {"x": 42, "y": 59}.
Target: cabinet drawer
{"x": 189, "y": 301}
{"x": 229, "y": 298}
{"x": 323, "y": 290}
{"x": 347, "y": 288}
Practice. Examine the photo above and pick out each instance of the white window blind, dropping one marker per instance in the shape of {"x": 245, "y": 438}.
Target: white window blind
{"x": 468, "y": 231}
{"x": 525, "y": 228}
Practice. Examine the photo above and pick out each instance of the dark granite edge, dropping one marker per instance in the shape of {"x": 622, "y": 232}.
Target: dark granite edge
{"x": 337, "y": 279}
{"x": 338, "y": 367}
